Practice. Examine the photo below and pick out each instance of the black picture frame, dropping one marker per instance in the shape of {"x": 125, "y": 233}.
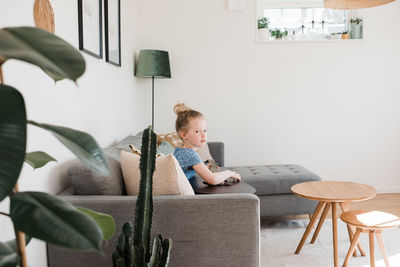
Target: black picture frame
{"x": 112, "y": 24}
{"x": 90, "y": 27}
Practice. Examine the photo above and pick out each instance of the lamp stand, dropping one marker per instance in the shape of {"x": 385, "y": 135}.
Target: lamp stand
{"x": 152, "y": 102}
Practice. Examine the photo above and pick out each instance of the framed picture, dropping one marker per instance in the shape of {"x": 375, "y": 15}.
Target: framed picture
{"x": 90, "y": 27}
{"x": 112, "y": 22}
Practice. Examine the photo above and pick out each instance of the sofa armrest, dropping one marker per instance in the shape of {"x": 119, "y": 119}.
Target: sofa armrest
{"x": 206, "y": 230}
{"x": 217, "y": 152}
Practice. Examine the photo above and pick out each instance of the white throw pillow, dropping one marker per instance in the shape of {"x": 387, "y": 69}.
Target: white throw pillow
{"x": 168, "y": 177}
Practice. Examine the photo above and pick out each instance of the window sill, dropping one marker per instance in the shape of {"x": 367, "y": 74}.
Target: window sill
{"x": 310, "y": 41}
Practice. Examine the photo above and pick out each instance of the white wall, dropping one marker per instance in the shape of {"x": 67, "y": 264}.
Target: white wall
{"x": 331, "y": 107}
{"x": 106, "y": 103}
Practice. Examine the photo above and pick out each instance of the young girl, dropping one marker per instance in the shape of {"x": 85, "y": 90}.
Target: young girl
{"x": 192, "y": 128}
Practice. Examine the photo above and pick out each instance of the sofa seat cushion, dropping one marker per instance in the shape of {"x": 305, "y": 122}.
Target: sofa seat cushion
{"x": 274, "y": 179}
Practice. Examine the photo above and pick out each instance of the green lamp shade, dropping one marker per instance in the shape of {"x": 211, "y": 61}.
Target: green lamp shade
{"x": 153, "y": 63}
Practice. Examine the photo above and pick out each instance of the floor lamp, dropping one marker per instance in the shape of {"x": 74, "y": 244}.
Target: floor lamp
{"x": 153, "y": 64}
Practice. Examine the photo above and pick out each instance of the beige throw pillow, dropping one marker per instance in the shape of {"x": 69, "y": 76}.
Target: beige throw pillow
{"x": 168, "y": 177}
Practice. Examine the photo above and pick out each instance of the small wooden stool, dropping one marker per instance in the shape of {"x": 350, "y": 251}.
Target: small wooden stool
{"x": 372, "y": 222}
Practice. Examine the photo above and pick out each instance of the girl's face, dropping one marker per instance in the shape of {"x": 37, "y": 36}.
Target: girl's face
{"x": 196, "y": 135}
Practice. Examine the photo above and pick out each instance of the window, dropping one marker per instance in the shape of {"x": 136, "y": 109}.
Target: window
{"x": 298, "y": 22}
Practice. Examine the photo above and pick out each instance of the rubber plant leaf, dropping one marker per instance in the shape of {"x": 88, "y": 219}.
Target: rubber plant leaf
{"x": 10, "y": 260}
{"x": 51, "y": 219}
{"x": 49, "y": 52}
{"x": 104, "y": 221}
{"x": 81, "y": 144}
{"x": 12, "y": 137}
{"x": 38, "y": 159}
{"x": 9, "y": 254}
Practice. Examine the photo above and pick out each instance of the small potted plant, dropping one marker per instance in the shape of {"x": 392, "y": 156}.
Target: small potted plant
{"x": 263, "y": 31}
{"x": 345, "y": 35}
{"x": 278, "y": 34}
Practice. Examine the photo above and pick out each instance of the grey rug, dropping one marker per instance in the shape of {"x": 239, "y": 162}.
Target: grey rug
{"x": 279, "y": 240}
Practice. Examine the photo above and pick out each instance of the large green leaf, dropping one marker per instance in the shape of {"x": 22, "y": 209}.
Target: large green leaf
{"x": 38, "y": 159}
{"x": 54, "y": 220}
{"x": 81, "y": 144}
{"x": 9, "y": 254}
{"x": 105, "y": 221}
{"x": 11, "y": 246}
{"x": 10, "y": 260}
{"x": 12, "y": 137}
{"x": 52, "y": 54}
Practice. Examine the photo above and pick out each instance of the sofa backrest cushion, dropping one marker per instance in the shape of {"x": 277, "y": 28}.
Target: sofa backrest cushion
{"x": 168, "y": 177}
{"x": 86, "y": 181}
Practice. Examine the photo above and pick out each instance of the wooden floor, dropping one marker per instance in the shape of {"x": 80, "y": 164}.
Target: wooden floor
{"x": 383, "y": 202}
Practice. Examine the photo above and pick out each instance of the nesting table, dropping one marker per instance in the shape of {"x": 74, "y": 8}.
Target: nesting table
{"x": 372, "y": 222}
{"x": 329, "y": 194}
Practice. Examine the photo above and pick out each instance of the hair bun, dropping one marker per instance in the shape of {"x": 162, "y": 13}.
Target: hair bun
{"x": 180, "y": 108}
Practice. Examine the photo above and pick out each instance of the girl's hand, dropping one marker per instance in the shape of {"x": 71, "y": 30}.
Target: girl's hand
{"x": 235, "y": 175}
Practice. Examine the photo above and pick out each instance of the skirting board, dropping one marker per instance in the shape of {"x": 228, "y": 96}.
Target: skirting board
{"x": 388, "y": 190}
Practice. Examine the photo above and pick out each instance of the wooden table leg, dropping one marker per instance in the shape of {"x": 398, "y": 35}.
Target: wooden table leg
{"x": 371, "y": 248}
{"x": 352, "y": 247}
{"x": 310, "y": 225}
{"x": 345, "y": 206}
{"x": 321, "y": 222}
{"x": 382, "y": 247}
{"x": 334, "y": 230}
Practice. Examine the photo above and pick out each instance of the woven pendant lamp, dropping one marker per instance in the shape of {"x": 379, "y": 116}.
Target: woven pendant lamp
{"x": 354, "y": 4}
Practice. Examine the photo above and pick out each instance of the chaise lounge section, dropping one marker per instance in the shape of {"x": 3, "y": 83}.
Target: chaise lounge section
{"x": 272, "y": 184}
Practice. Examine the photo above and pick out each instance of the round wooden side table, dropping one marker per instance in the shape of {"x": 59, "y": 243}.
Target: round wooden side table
{"x": 371, "y": 222}
{"x": 329, "y": 194}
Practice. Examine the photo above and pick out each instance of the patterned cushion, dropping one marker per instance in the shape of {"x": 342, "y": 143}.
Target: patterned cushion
{"x": 174, "y": 140}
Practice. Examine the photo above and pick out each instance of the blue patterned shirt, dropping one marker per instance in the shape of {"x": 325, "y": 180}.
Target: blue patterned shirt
{"x": 187, "y": 158}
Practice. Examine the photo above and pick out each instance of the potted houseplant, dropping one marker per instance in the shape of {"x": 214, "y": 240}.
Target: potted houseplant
{"x": 278, "y": 34}
{"x": 356, "y": 28}
{"x": 263, "y": 31}
{"x": 345, "y": 35}
{"x": 38, "y": 214}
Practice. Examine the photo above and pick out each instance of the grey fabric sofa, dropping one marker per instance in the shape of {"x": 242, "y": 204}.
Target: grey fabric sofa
{"x": 206, "y": 230}
{"x": 202, "y": 227}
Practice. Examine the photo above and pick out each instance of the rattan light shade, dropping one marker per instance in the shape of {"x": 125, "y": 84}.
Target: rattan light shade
{"x": 354, "y": 4}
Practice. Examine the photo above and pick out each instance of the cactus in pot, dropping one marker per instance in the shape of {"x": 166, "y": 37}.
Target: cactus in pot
{"x": 137, "y": 252}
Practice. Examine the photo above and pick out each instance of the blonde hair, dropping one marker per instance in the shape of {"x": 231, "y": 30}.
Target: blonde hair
{"x": 185, "y": 114}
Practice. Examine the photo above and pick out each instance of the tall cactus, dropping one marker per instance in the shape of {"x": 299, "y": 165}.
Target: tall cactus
{"x": 139, "y": 253}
